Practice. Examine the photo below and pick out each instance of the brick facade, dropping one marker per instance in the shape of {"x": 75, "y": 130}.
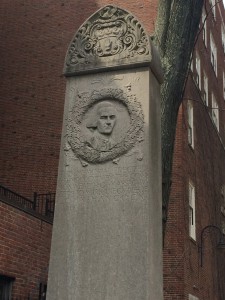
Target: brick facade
{"x": 35, "y": 36}
{"x": 203, "y": 165}
{"x": 34, "y": 39}
{"x": 32, "y": 53}
{"x": 24, "y": 251}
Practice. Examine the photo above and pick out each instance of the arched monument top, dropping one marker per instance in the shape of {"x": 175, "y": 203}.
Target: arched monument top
{"x": 112, "y": 38}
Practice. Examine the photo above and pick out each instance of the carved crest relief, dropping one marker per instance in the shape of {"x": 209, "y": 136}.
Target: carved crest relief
{"x": 104, "y": 124}
{"x": 110, "y": 37}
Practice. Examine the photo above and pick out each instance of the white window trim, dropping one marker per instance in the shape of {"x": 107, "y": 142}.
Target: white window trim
{"x": 191, "y": 297}
{"x": 213, "y": 53}
{"x": 223, "y": 85}
{"x": 213, "y": 8}
{"x": 223, "y": 36}
{"x": 223, "y": 206}
{"x": 204, "y": 27}
{"x": 205, "y": 90}
{"x": 198, "y": 70}
{"x": 192, "y": 212}
{"x": 191, "y": 63}
{"x": 215, "y": 112}
{"x": 190, "y": 113}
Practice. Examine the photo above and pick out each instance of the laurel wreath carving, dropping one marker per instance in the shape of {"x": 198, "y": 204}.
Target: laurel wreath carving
{"x": 83, "y": 102}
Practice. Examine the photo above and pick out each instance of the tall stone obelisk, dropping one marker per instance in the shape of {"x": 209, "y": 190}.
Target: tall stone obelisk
{"x": 107, "y": 235}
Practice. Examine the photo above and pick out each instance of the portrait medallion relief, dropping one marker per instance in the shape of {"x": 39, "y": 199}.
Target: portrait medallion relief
{"x": 104, "y": 125}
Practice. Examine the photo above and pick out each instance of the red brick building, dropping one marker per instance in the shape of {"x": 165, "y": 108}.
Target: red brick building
{"x": 25, "y": 239}
{"x": 35, "y": 36}
{"x": 197, "y": 195}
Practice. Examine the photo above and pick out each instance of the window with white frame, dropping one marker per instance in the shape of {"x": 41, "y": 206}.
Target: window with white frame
{"x": 191, "y": 297}
{"x": 215, "y": 112}
{"x": 191, "y": 64}
{"x": 223, "y": 85}
{"x": 223, "y": 36}
{"x": 205, "y": 90}
{"x": 223, "y": 201}
{"x": 223, "y": 208}
{"x": 204, "y": 27}
{"x": 198, "y": 70}
{"x": 213, "y": 8}
{"x": 190, "y": 124}
{"x": 192, "y": 224}
{"x": 213, "y": 50}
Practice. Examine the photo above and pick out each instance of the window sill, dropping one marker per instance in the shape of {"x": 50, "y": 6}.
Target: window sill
{"x": 192, "y": 240}
{"x": 191, "y": 147}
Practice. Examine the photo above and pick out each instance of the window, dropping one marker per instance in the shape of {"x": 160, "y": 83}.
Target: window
{"x": 223, "y": 85}
{"x": 5, "y": 287}
{"x": 223, "y": 227}
{"x": 215, "y": 112}
{"x": 223, "y": 36}
{"x": 204, "y": 28}
{"x": 213, "y": 8}
{"x": 205, "y": 90}
{"x": 191, "y": 64}
{"x": 42, "y": 291}
{"x": 223, "y": 200}
{"x": 191, "y": 297}
{"x": 213, "y": 54}
{"x": 191, "y": 195}
{"x": 190, "y": 124}
{"x": 198, "y": 70}
{"x": 223, "y": 208}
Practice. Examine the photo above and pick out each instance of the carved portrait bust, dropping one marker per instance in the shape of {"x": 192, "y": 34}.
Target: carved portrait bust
{"x": 104, "y": 124}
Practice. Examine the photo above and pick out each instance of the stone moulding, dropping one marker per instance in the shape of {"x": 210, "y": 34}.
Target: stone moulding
{"x": 83, "y": 103}
{"x": 111, "y": 38}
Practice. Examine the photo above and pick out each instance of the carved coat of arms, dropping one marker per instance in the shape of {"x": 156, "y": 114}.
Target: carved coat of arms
{"x": 110, "y": 37}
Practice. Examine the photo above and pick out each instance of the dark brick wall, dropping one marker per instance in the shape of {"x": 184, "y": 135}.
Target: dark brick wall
{"x": 173, "y": 261}
{"x": 204, "y": 166}
{"x": 24, "y": 251}
{"x": 34, "y": 39}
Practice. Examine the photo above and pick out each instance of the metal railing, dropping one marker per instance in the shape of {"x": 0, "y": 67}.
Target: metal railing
{"x": 42, "y": 205}
{"x": 14, "y": 197}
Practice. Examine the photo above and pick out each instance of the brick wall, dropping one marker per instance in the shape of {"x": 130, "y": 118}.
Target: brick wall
{"x": 24, "y": 251}
{"x": 34, "y": 39}
{"x": 204, "y": 167}
{"x": 173, "y": 263}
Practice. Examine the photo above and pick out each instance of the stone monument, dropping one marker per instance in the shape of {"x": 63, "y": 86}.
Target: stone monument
{"x": 107, "y": 235}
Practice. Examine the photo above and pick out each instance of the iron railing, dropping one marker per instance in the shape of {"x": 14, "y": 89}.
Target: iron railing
{"x": 14, "y": 197}
{"x": 42, "y": 205}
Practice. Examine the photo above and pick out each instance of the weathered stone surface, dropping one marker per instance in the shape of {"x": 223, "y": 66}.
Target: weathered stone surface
{"x": 94, "y": 112}
{"x": 107, "y": 230}
{"x": 110, "y": 38}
